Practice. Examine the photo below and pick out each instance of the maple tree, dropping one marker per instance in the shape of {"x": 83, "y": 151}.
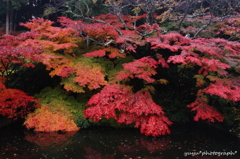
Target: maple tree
{"x": 136, "y": 70}
{"x": 118, "y": 99}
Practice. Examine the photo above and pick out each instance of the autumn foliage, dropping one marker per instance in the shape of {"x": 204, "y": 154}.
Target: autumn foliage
{"x": 13, "y": 54}
{"x": 15, "y": 103}
{"x": 59, "y": 121}
{"x": 135, "y": 70}
{"x": 135, "y": 108}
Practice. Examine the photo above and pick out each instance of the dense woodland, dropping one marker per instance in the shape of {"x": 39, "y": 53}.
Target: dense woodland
{"x": 148, "y": 64}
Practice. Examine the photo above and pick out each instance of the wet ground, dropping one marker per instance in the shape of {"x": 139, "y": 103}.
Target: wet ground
{"x": 192, "y": 142}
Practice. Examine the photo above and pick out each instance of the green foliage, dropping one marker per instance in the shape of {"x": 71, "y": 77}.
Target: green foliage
{"x": 56, "y": 98}
{"x": 169, "y": 26}
{"x": 49, "y": 11}
{"x": 84, "y": 48}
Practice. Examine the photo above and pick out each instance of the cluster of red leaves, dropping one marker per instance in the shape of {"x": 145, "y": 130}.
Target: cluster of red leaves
{"x": 93, "y": 30}
{"x": 225, "y": 88}
{"x": 46, "y": 120}
{"x": 142, "y": 68}
{"x": 129, "y": 40}
{"x": 113, "y": 19}
{"x": 96, "y": 53}
{"x": 202, "y": 52}
{"x": 98, "y": 31}
{"x": 205, "y": 53}
{"x": 15, "y": 103}
{"x": 148, "y": 29}
{"x": 204, "y": 111}
{"x": 135, "y": 108}
{"x": 113, "y": 53}
{"x": 12, "y": 52}
{"x": 230, "y": 27}
{"x": 112, "y": 30}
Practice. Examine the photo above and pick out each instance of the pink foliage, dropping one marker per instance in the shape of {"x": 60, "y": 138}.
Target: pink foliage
{"x": 142, "y": 68}
{"x": 225, "y": 88}
{"x": 97, "y": 53}
{"x": 204, "y": 111}
{"x": 135, "y": 108}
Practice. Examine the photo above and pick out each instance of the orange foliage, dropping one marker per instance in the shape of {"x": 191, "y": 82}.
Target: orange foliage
{"x": 50, "y": 38}
{"x": 57, "y": 44}
{"x": 47, "y": 120}
{"x": 94, "y": 77}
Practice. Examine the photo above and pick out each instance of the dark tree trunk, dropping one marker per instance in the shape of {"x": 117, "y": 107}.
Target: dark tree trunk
{"x": 7, "y": 18}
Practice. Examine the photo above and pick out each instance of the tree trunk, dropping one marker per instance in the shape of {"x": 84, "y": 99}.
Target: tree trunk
{"x": 7, "y": 18}
{"x": 11, "y": 21}
{"x": 150, "y": 18}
